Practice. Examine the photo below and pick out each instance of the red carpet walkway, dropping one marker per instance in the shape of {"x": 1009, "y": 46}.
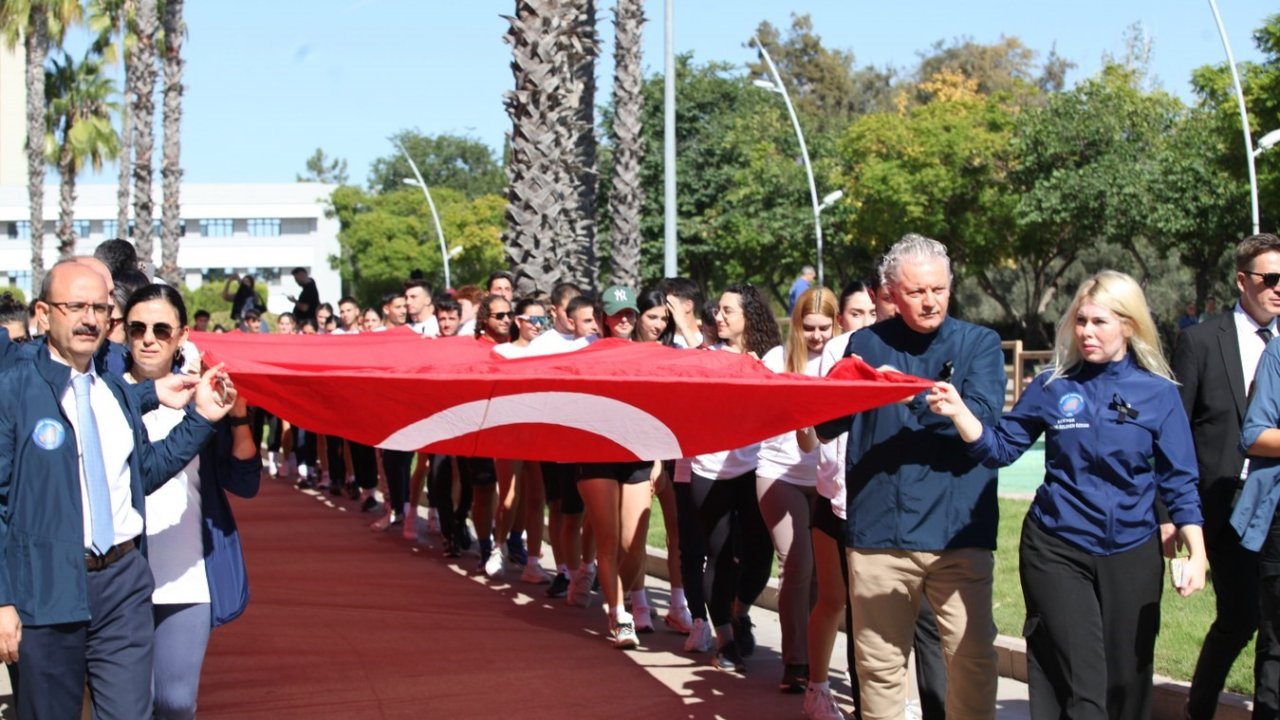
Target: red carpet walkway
{"x": 347, "y": 624}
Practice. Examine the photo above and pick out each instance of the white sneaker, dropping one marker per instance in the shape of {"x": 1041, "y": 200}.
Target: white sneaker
{"x": 496, "y": 565}
{"x": 643, "y": 618}
{"x": 679, "y": 619}
{"x": 534, "y": 575}
{"x": 304, "y": 472}
{"x": 624, "y": 633}
{"x": 580, "y": 586}
{"x": 821, "y": 705}
{"x": 433, "y": 521}
{"x": 699, "y": 639}
{"x": 271, "y": 463}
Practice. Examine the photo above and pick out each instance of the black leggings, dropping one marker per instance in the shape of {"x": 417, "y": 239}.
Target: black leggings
{"x": 398, "y": 465}
{"x": 364, "y": 465}
{"x": 337, "y": 459}
{"x": 693, "y": 553}
{"x": 453, "y": 518}
{"x": 739, "y": 549}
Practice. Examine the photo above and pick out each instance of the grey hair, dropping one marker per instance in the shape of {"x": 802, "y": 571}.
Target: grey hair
{"x": 911, "y": 248}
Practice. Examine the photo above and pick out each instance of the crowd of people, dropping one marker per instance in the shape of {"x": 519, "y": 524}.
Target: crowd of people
{"x": 886, "y": 518}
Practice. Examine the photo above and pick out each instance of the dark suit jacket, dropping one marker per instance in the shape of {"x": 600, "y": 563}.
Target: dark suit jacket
{"x": 1206, "y": 361}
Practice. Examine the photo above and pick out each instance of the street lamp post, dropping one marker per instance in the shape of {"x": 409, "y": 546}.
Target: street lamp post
{"x": 780, "y": 88}
{"x": 419, "y": 182}
{"x": 1267, "y": 142}
{"x": 1249, "y": 153}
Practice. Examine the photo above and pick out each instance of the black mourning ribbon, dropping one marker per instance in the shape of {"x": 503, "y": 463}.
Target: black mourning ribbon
{"x": 1124, "y": 411}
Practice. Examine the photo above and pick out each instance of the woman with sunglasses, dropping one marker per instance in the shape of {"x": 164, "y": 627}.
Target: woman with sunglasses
{"x": 200, "y": 580}
{"x": 724, "y": 490}
{"x": 786, "y": 484}
{"x": 530, "y": 320}
{"x": 494, "y": 489}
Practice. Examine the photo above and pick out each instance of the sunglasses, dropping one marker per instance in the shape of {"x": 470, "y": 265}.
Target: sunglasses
{"x": 500, "y": 315}
{"x": 534, "y": 320}
{"x": 1268, "y": 279}
{"x": 162, "y": 331}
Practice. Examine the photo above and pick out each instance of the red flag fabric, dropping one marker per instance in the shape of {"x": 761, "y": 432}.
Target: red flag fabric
{"x": 612, "y": 401}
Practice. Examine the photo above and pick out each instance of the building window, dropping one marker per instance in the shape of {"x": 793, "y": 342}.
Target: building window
{"x": 216, "y": 227}
{"x": 80, "y": 228}
{"x": 109, "y": 228}
{"x": 264, "y": 227}
{"x": 20, "y": 230}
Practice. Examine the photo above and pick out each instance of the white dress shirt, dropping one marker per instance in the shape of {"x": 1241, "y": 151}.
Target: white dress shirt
{"x": 1251, "y": 347}
{"x": 174, "y": 527}
{"x": 116, "y": 439}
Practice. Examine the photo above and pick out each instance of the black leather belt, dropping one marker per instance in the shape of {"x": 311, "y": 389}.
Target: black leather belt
{"x": 94, "y": 562}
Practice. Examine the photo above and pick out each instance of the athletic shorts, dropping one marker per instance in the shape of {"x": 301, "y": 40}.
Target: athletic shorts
{"x": 627, "y": 473}
{"x": 825, "y": 520}
{"x": 477, "y": 471}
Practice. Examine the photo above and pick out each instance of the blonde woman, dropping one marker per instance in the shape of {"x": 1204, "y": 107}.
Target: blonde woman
{"x": 787, "y": 480}
{"x": 1090, "y": 560}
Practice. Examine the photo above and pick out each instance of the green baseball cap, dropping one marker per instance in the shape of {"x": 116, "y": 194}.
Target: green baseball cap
{"x": 618, "y": 298}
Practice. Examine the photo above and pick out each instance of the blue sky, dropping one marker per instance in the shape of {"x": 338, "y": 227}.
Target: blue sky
{"x": 268, "y": 81}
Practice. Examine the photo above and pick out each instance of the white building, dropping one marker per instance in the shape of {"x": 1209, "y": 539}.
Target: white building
{"x": 263, "y": 230}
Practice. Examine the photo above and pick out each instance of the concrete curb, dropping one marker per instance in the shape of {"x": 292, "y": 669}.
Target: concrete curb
{"x": 1168, "y": 698}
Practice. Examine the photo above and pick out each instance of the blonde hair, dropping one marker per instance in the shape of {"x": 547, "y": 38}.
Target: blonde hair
{"x": 1121, "y": 294}
{"x": 814, "y": 301}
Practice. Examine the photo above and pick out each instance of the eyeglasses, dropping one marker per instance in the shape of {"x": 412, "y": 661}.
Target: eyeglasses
{"x": 76, "y": 308}
{"x": 500, "y": 315}
{"x": 1268, "y": 279}
{"x": 534, "y": 320}
{"x": 162, "y": 331}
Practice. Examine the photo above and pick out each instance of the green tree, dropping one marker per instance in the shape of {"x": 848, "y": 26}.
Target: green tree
{"x": 321, "y": 168}
{"x": 1003, "y": 67}
{"x": 78, "y": 130}
{"x": 446, "y": 161}
{"x": 384, "y": 237}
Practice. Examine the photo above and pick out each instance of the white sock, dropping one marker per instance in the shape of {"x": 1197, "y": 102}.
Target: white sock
{"x": 639, "y": 598}
{"x": 677, "y": 597}
{"x": 563, "y": 569}
{"x": 815, "y": 686}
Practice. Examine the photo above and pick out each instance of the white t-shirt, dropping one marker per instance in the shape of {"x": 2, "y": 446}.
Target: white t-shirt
{"x": 831, "y": 455}
{"x": 468, "y": 328}
{"x": 725, "y": 464}
{"x": 175, "y": 540}
{"x": 427, "y": 328}
{"x": 553, "y": 342}
{"x": 780, "y": 457}
{"x": 511, "y": 350}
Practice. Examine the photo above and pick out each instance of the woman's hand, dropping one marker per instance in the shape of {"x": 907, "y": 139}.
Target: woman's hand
{"x": 215, "y": 394}
{"x": 1193, "y": 572}
{"x": 945, "y": 400}
{"x": 657, "y": 478}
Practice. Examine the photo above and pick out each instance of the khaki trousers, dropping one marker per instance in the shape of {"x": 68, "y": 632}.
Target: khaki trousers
{"x": 886, "y": 587}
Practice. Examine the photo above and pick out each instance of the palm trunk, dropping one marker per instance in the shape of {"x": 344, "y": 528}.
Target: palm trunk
{"x": 126, "y": 166}
{"x": 67, "y": 198}
{"x": 626, "y": 201}
{"x": 582, "y": 48}
{"x": 172, "y": 169}
{"x": 143, "y": 84}
{"x": 37, "y": 42}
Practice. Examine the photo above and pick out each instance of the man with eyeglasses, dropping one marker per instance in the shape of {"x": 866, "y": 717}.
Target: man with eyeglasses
{"x": 1215, "y": 362}
{"x": 72, "y": 445}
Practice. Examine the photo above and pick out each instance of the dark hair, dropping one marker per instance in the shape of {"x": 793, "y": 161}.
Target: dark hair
{"x": 448, "y": 304}
{"x": 876, "y": 281}
{"x": 499, "y": 275}
{"x": 309, "y": 323}
{"x": 157, "y": 291}
{"x": 418, "y": 282}
{"x": 564, "y": 290}
{"x": 387, "y": 298}
{"x": 375, "y": 309}
{"x": 252, "y": 314}
{"x": 219, "y": 328}
{"x": 482, "y": 315}
{"x": 347, "y": 299}
{"x": 578, "y": 302}
{"x": 118, "y": 255}
{"x": 292, "y": 318}
{"x": 851, "y": 288}
{"x": 648, "y": 300}
{"x": 760, "y": 332}
{"x": 297, "y": 270}
{"x": 127, "y": 283}
{"x": 523, "y": 305}
{"x": 1253, "y": 246}
{"x": 12, "y": 310}
{"x": 683, "y": 288}
{"x": 325, "y": 306}
{"x": 200, "y": 314}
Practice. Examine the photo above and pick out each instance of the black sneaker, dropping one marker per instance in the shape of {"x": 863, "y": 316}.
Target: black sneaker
{"x": 559, "y": 586}
{"x": 794, "y": 678}
{"x": 743, "y": 636}
{"x": 305, "y": 484}
{"x": 369, "y": 504}
{"x": 729, "y": 659}
{"x": 335, "y": 489}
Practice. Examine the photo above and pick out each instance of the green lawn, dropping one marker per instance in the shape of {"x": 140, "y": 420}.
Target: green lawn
{"x": 1183, "y": 620}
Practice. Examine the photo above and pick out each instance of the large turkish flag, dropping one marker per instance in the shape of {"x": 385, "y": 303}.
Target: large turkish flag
{"x": 612, "y": 401}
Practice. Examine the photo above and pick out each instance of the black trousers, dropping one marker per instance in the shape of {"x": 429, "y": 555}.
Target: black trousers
{"x": 1266, "y": 667}
{"x": 739, "y": 548}
{"x": 305, "y": 442}
{"x": 693, "y": 553}
{"x": 453, "y": 518}
{"x": 364, "y": 465}
{"x": 398, "y": 464}
{"x": 337, "y": 460}
{"x": 1091, "y": 627}
{"x": 1234, "y": 571}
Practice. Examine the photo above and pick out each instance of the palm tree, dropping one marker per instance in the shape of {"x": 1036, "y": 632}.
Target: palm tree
{"x": 109, "y": 19}
{"x": 580, "y": 49}
{"x": 626, "y": 200}
{"x": 38, "y": 25}
{"x": 77, "y": 129}
{"x": 141, "y": 81}
{"x": 171, "y": 169}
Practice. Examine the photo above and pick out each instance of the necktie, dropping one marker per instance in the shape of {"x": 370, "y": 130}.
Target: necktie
{"x": 95, "y": 469}
{"x": 1265, "y": 334}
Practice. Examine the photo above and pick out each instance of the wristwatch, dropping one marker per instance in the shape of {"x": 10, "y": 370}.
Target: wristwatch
{"x": 234, "y": 421}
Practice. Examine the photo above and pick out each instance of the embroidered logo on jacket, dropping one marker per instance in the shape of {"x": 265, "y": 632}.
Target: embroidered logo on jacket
{"x": 49, "y": 434}
{"x": 1071, "y": 405}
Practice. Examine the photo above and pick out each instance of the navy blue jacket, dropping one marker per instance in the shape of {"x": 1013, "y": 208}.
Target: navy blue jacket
{"x": 41, "y": 519}
{"x": 912, "y": 484}
{"x": 1102, "y": 471}
{"x": 1255, "y": 510}
{"x": 220, "y": 473}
